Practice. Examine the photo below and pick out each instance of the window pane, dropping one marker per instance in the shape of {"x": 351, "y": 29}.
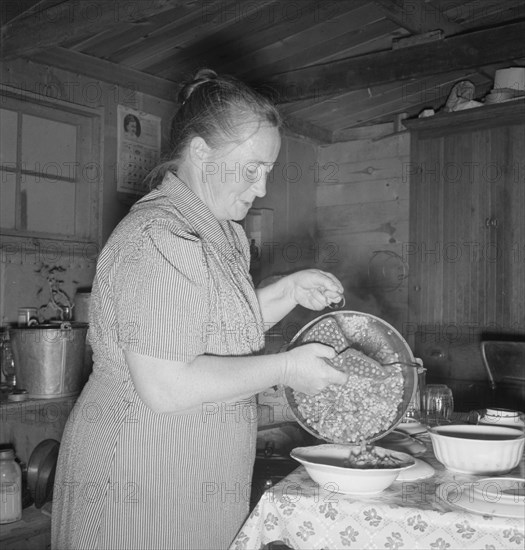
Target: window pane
{"x": 7, "y": 200}
{"x": 48, "y": 205}
{"x": 8, "y": 135}
{"x": 48, "y": 146}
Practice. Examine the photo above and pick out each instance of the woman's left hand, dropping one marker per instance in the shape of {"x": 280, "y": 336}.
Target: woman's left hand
{"x": 315, "y": 289}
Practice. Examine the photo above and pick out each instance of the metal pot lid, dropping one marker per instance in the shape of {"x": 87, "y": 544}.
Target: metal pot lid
{"x": 41, "y": 471}
{"x": 370, "y": 335}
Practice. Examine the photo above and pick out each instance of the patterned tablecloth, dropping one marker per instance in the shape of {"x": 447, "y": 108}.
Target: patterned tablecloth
{"x": 407, "y": 515}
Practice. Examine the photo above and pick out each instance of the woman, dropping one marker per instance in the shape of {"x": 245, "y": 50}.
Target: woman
{"x": 132, "y": 125}
{"x": 159, "y": 450}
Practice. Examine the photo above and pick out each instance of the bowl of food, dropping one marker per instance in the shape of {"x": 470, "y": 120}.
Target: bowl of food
{"x": 478, "y": 449}
{"x": 350, "y": 469}
{"x": 382, "y": 379}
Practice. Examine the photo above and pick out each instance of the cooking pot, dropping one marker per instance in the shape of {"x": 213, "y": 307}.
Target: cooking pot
{"x": 41, "y": 471}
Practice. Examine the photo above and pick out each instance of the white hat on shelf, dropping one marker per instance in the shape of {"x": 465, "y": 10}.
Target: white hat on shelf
{"x": 509, "y": 84}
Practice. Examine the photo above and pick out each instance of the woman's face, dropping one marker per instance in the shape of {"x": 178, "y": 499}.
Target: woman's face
{"x": 131, "y": 128}
{"x": 234, "y": 175}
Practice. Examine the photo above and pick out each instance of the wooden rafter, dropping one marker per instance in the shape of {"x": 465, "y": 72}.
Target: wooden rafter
{"x": 109, "y": 72}
{"x": 55, "y": 25}
{"x": 470, "y": 50}
{"x": 418, "y": 17}
{"x": 217, "y": 19}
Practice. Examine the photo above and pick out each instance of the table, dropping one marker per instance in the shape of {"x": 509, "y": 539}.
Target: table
{"x": 407, "y": 515}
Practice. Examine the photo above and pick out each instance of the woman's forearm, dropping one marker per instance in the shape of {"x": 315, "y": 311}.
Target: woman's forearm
{"x": 276, "y": 301}
{"x": 170, "y": 387}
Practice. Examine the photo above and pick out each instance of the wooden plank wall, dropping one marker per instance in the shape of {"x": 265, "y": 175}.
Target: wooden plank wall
{"x": 291, "y": 195}
{"x": 294, "y": 243}
{"x": 362, "y": 216}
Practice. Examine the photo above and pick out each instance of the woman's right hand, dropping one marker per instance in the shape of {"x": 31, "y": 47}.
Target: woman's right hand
{"x": 308, "y": 371}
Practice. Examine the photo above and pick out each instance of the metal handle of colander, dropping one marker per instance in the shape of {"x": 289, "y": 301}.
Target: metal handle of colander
{"x": 403, "y": 363}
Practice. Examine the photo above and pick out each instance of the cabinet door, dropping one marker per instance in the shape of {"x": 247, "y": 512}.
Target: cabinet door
{"x": 466, "y": 251}
{"x": 508, "y": 227}
{"x": 467, "y": 229}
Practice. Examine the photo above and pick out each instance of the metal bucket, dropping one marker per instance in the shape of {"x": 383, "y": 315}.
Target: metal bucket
{"x": 49, "y": 359}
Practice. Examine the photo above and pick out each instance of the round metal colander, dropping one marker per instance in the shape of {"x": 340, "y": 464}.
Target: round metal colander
{"x": 365, "y": 333}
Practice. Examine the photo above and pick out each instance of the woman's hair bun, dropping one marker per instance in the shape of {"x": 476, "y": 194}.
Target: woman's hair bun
{"x": 202, "y": 76}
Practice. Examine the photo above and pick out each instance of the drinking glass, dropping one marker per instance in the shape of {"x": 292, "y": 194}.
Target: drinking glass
{"x": 438, "y": 404}
{"x": 415, "y": 410}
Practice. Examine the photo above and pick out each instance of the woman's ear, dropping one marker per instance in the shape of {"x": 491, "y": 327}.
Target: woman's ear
{"x": 198, "y": 150}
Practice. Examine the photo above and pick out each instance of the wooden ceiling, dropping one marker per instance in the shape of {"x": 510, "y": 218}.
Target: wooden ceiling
{"x": 336, "y": 67}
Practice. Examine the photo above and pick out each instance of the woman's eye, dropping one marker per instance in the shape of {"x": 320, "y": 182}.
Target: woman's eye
{"x": 252, "y": 172}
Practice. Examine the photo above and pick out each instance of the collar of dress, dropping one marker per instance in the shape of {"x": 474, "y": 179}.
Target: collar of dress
{"x": 217, "y": 233}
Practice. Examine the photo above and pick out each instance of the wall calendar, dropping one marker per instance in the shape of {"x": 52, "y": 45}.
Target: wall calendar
{"x": 139, "y": 142}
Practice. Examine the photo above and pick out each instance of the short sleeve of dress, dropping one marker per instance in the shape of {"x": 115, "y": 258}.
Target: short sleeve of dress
{"x": 161, "y": 294}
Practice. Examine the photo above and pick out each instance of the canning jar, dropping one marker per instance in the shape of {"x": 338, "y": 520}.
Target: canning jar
{"x": 10, "y": 487}
{"x": 7, "y": 362}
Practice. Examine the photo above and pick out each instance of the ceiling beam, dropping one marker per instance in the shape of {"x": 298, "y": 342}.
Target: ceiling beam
{"x": 76, "y": 19}
{"x": 373, "y": 132}
{"x": 306, "y": 129}
{"x": 470, "y": 50}
{"x": 107, "y": 71}
{"x": 418, "y": 17}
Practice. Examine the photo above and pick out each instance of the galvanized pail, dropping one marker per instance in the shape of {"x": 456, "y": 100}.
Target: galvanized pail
{"x": 49, "y": 359}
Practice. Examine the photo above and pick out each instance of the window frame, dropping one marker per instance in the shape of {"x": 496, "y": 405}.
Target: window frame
{"x": 89, "y": 155}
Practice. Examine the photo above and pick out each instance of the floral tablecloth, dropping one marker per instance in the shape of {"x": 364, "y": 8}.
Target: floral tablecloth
{"x": 407, "y": 515}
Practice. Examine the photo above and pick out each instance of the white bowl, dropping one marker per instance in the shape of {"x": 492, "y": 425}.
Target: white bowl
{"x": 324, "y": 464}
{"x": 479, "y": 450}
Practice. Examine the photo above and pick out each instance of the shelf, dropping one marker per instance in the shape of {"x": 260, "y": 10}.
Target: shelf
{"x": 511, "y": 112}
{"x": 32, "y": 532}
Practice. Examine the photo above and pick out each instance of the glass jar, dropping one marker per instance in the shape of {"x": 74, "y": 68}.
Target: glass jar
{"x": 10, "y": 487}
{"x": 7, "y": 361}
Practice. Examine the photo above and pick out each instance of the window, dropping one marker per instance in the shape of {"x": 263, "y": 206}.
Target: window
{"x": 50, "y": 171}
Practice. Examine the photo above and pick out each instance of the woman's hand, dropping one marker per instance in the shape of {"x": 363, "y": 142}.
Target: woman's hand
{"x": 308, "y": 371}
{"x": 315, "y": 289}
{"x": 311, "y": 288}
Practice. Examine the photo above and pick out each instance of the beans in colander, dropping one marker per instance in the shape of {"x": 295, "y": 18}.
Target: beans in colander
{"x": 358, "y": 410}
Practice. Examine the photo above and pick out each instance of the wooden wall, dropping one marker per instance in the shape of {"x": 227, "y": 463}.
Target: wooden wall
{"x": 362, "y": 217}
{"x": 292, "y": 245}
{"x": 290, "y": 194}
{"x": 344, "y": 208}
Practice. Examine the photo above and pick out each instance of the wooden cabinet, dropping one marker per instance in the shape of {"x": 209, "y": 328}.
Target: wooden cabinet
{"x": 467, "y": 237}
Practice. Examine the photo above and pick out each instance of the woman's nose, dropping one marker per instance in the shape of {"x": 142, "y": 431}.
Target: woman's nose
{"x": 259, "y": 187}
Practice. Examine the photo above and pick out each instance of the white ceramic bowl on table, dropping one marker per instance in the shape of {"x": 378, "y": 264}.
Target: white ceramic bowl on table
{"x": 324, "y": 464}
{"x": 479, "y": 450}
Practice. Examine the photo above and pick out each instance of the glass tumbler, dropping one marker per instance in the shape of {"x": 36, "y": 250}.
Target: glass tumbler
{"x": 414, "y": 412}
{"x": 438, "y": 404}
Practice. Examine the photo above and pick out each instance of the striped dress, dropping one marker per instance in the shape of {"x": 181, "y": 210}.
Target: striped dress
{"x": 173, "y": 283}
